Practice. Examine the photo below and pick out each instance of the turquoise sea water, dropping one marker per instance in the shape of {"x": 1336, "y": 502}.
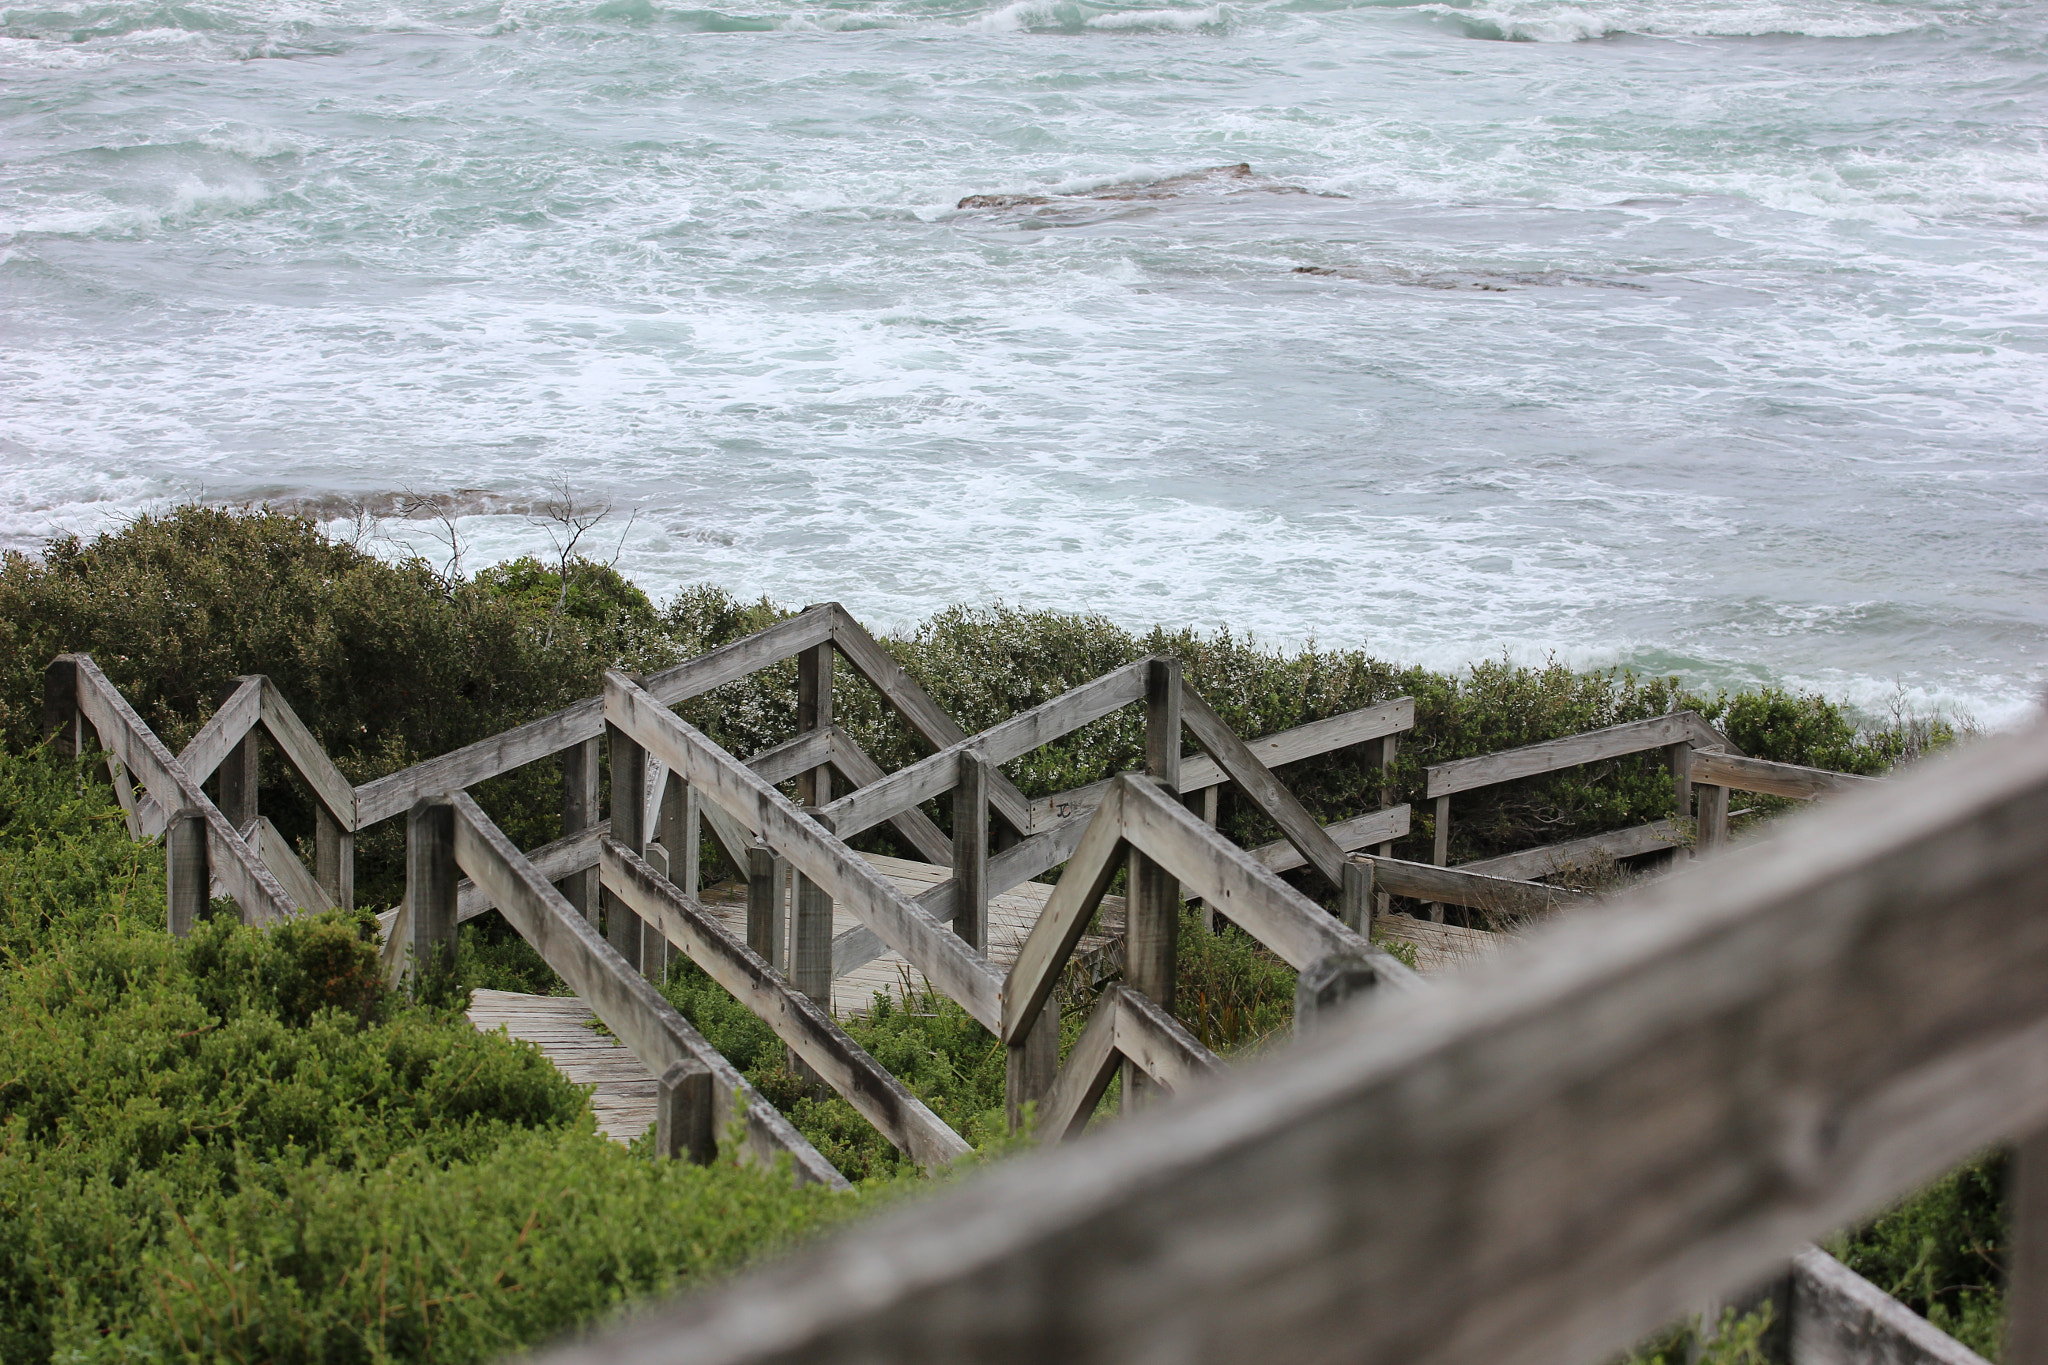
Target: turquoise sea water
{"x": 1700, "y": 336}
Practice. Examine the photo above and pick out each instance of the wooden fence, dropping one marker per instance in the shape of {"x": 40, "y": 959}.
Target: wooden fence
{"x": 1641, "y": 1107}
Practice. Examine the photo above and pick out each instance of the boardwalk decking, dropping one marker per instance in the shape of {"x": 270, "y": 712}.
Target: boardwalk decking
{"x": 623, "y": 1099}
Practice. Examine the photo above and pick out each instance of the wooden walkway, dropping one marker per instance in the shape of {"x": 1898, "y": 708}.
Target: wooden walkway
{"x": 623, "y": 1097}
{"x": 566, "y": 1031}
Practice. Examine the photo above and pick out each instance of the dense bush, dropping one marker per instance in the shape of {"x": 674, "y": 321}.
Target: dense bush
{"x": 240, "y": 1146}
{"x": 1942, "y": 1253}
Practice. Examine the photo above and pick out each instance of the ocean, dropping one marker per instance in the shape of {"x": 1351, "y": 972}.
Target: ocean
{"x": 1704, "y": 338}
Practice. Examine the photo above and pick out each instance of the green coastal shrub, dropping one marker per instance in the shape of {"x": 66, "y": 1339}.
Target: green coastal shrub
{"x": 240, "y": 1146}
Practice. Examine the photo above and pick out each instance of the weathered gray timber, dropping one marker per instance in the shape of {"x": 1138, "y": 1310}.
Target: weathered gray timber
{"x": 721, "y": 779}
{"x": 304, "y": 753}
{"x": 1124, "y": 1026}
{"x": 529, "y": 743}
{"x": 970, "y": 852}
{"x": 918, "y": 710}
{"x": 2026, "y": 1288}
{"x": 685, "y": 1106}
{"x": 627, "y": 1002}
{"x": 1152, "y": 915}
{"x": 1200, "y": 773}
{"x": 1378, "y": 827}
{"x": 1771, "y": 779}
{"x": 238, "y": 713}
{"x": 799, "y": 1021}
{"x": 580, "y": 784}
{"x": 1137, "y": 813}
{"x": 1542, "y": 1159}
{"x": 431, "y": 874}
{"x": 1308, "y": 741}
{"x": 1264, "y": 790}
{"x": 630, "y": 827}
{"x": 230, "y": 861}
{"x": 238, "y": 779}
{"x": 1840, "y": 1318}
{"x": 914, "y": 825}
{"x": 1464, "y": 774}
{"x": 1554, "y": 858}
{"x": 624, "y": 1094}
{"x": 187, "y": 879}
{"x": 814, "y": 716}
{"x": 868, "y": 806}
{"x": 277, "y": 854}
{"x": 1456, "y": 886}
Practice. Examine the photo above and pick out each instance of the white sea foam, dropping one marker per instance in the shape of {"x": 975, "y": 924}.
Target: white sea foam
{"x": 1715, "y": 349}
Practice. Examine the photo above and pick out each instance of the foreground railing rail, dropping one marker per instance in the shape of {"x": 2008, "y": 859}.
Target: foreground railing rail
{"x": 1638, "y": 1108}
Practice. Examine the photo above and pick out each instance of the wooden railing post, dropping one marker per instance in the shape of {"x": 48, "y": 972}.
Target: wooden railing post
{"x": 63, "y": 723}
{"x": 1211, "y": 812}
{"x": 764, "y": 906}
{"x": 1679, "y": 758}
{"x": 1389, "y": 750}
{"x": 431, "y": 878}
{"x": 681, "y": 831}
{"x": 810, "y": 935}
{"x": 1326, "y": 984}
{"x": 2026, "y": 1293}
{"x": 188, "y": 877}
{"x": 579, "y": 812}
{"x": 1356, "y": 911}
{"x": 629, "y": 827}
{"x": 239, "y": 772}
{"x": 970, "y": 852}
{"x": 1441, "y": 853}
{"x": 1030, "y": 1067}
{"x": 682, "y": 1113}
{"x": 1713, "y": 823}
{"x": 1152, "y": 913}
{"x": 814, "y": 712}
{"x": 334, "y": 856}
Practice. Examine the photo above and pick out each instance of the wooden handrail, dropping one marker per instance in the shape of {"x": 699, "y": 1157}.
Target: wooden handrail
{"x": 263, "y": 900}
{"x": 868, "y": 806}
{"x": 1771, "y": 779}
{"x": 1551, "y": 755}
{"x": 1124, "y": 1025}
{"x": 1260, "y": 787}
{"x": 1456, "y": 886}
{"x": 807, "y": 846}
{"x": 877, "y": 1095}
{"x": 625, "y": 1001}
{"x": 1543, "y": 1158}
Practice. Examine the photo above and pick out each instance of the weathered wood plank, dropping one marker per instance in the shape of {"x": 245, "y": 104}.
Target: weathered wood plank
{"x": 431, "y": 875}
{"x": 1542, "y": 1159}
{"x": 970, "y": 852}
{"x": 231, "y": 861}
{"x": 1456, "y": 886}
{"x": 239, "y": 713}
{"x": 627, "y": 1002}
{"x": 1840, "y": 1318}
{"x": 535, "y": 740}
{"x": 2026, "y": 1287}
{"x": 1552, "y": 859}
{"x": 1464, "y": 774}
{"x": 304, "y": 753}
{"x": 928, "y": 945}
{"x": 1241, "y": 889}
{"x": 625, "y": 1095}
{"x": 799, "y": 1021}
{"x": 1308, "y": 741}
{"x": 1084, "y": 1078}
{"x": 915, "y": 705}
{"x": 1264, "y": 790}
{"x": 798, "y": 754}
{"x": 1065, "y": 918}
{"x": 1158, "y": 1044}
{"x": 283, "y": 861}
{"x": 1378, "y": 827}
{"x": 1152, "y": 911}
{"x": 1199, "y": 772}
{"x": 1772, "y": 779}
{"x": 914, "y": 825}
{"x": 868, "y": 806}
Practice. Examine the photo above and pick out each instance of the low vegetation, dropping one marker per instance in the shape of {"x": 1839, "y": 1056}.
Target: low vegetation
{"x": 241, "y": 1146}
